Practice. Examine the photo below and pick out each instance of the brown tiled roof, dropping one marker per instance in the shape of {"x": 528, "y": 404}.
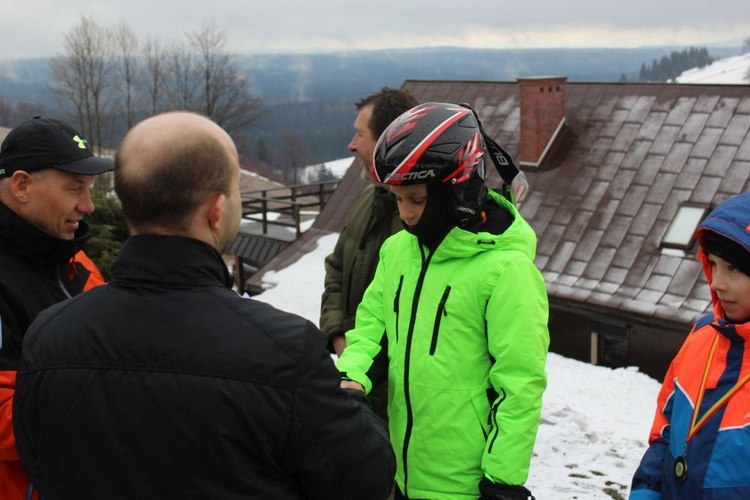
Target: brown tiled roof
{"x": 603, "y": 197}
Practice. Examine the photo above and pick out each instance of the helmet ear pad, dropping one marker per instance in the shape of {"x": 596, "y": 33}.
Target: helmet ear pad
{"x": 467, "y": 201}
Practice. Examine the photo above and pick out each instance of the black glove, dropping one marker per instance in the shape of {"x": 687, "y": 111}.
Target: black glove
{"x": 497, "y": 491}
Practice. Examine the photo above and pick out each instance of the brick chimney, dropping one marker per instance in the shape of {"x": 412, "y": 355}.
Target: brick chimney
{"x": 542, "y": 103}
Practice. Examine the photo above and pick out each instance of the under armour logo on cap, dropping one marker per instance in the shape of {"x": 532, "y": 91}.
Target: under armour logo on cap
{"x": 81, "y": 142}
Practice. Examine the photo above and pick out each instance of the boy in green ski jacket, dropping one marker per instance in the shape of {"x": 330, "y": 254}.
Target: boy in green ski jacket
{"x": 455, "y": 318}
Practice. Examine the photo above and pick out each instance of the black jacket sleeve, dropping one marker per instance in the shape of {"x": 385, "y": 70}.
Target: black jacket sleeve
{"x": 339, "y": 447}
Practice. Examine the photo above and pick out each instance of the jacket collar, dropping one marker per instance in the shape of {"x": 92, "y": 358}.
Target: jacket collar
{"x": 732, "y": 331}
{"x": 169, "y": 261}
{"x": 24, "y": 241}
{"x": 519, "y": 237}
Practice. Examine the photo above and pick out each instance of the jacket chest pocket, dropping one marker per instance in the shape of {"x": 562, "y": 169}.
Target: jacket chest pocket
{"x": 441, "y": 311}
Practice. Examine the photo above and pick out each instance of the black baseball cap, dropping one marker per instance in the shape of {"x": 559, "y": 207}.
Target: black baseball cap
{"x": 42, "y": 143}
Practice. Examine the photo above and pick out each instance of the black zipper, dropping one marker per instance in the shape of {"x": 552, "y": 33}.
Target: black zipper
{"x": 438, "y": 317}
{"x": 395, "y": 302}
{"x": 407, "y": 358}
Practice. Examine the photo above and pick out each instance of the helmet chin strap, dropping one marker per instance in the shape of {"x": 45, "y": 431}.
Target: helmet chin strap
{"x": 514, "y": 181}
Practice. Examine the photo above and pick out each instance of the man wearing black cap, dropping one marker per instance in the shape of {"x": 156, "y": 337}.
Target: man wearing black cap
{"x": 46, "y": 171}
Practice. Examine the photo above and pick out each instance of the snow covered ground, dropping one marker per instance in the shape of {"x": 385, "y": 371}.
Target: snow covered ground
{"x": 595, "y": 420}
{"x": 730, "y": 70}
{"x": 337, "y": 168}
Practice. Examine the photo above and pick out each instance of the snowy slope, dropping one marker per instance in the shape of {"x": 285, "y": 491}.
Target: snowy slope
{"x": 730, "y": 70}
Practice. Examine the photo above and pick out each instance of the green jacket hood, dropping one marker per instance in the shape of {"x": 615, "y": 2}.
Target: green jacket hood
{"x": 518, "y": 237}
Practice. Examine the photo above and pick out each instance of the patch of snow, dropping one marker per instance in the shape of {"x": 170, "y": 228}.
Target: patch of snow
{"x": 337, "y": 168}
{"x": 730, "y": 70}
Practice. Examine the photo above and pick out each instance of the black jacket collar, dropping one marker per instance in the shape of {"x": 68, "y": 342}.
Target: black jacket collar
{"x": 24, "y": 241}
{"x": 169, "y": 261}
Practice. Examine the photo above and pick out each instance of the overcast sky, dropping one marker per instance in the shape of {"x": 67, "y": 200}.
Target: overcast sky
{"x": 36, "y": 28}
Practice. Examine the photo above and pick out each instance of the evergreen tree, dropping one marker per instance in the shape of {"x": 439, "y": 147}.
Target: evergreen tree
{"x": 324, "y": 174}
{"x": 108, "y": 231}
{"x": 670, "y": 67}
{"x": 263, "y": 154}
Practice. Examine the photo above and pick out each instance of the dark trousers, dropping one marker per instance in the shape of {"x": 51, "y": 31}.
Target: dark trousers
{"x": 378, "y": 399}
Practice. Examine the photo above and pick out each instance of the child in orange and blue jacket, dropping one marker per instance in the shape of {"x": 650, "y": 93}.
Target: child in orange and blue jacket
{"x": 700, "y": 438}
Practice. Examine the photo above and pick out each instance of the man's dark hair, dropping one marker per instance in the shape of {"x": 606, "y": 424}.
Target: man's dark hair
{"x": 387, "y": 105}
{"x": 182, "y": 179}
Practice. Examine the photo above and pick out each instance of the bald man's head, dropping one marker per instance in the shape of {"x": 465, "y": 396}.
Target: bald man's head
{"x": 168, "y": 165}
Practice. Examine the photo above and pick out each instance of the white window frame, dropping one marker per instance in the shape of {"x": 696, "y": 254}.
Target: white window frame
{"x": 680, "y": 234}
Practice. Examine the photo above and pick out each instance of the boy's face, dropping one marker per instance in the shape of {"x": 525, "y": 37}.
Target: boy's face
{"x": 732, "y": 286}
{"x": 411, "y": 202}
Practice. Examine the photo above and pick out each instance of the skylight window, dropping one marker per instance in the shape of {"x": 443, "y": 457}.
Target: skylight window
{"x": 682, "y": 229}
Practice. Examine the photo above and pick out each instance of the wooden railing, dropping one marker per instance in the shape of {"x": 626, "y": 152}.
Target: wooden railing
{"x": 289, "y": 203}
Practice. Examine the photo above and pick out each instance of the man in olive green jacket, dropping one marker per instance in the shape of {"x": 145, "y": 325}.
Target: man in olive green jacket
{"x": 351, "y": 266}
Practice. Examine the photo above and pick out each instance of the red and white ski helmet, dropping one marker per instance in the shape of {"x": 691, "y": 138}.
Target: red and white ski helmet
{"x": 431, "y": 142}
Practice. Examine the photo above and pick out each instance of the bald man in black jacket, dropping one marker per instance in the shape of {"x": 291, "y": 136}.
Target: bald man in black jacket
{"x": 165, "y": 384}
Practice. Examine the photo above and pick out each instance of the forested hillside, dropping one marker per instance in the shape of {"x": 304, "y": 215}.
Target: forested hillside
{"x": 669, "y": 68}
{"x": 307, "y": 99}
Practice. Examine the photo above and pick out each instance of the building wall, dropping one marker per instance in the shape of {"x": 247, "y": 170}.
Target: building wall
{"x": 614, "y": 343}
{"x": 569, "y": 335}
{"x": 652, "y": 349}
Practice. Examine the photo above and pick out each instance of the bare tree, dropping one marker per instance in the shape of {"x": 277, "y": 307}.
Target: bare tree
{"x": 182, "y": 82}
{"x": 106, "y": 79}
{"x": 7, "y": 113}
{"x": 293, "y": 155}
{"x": 224, "y": 90}
{"x": 745, "y": 46}
{"x": 83, "y": 76}
{"x": 209, "y": 43}
{"x": 13, "y": 113}
{"x": 154, "y": 73}
{"x": 126, "y": 47}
